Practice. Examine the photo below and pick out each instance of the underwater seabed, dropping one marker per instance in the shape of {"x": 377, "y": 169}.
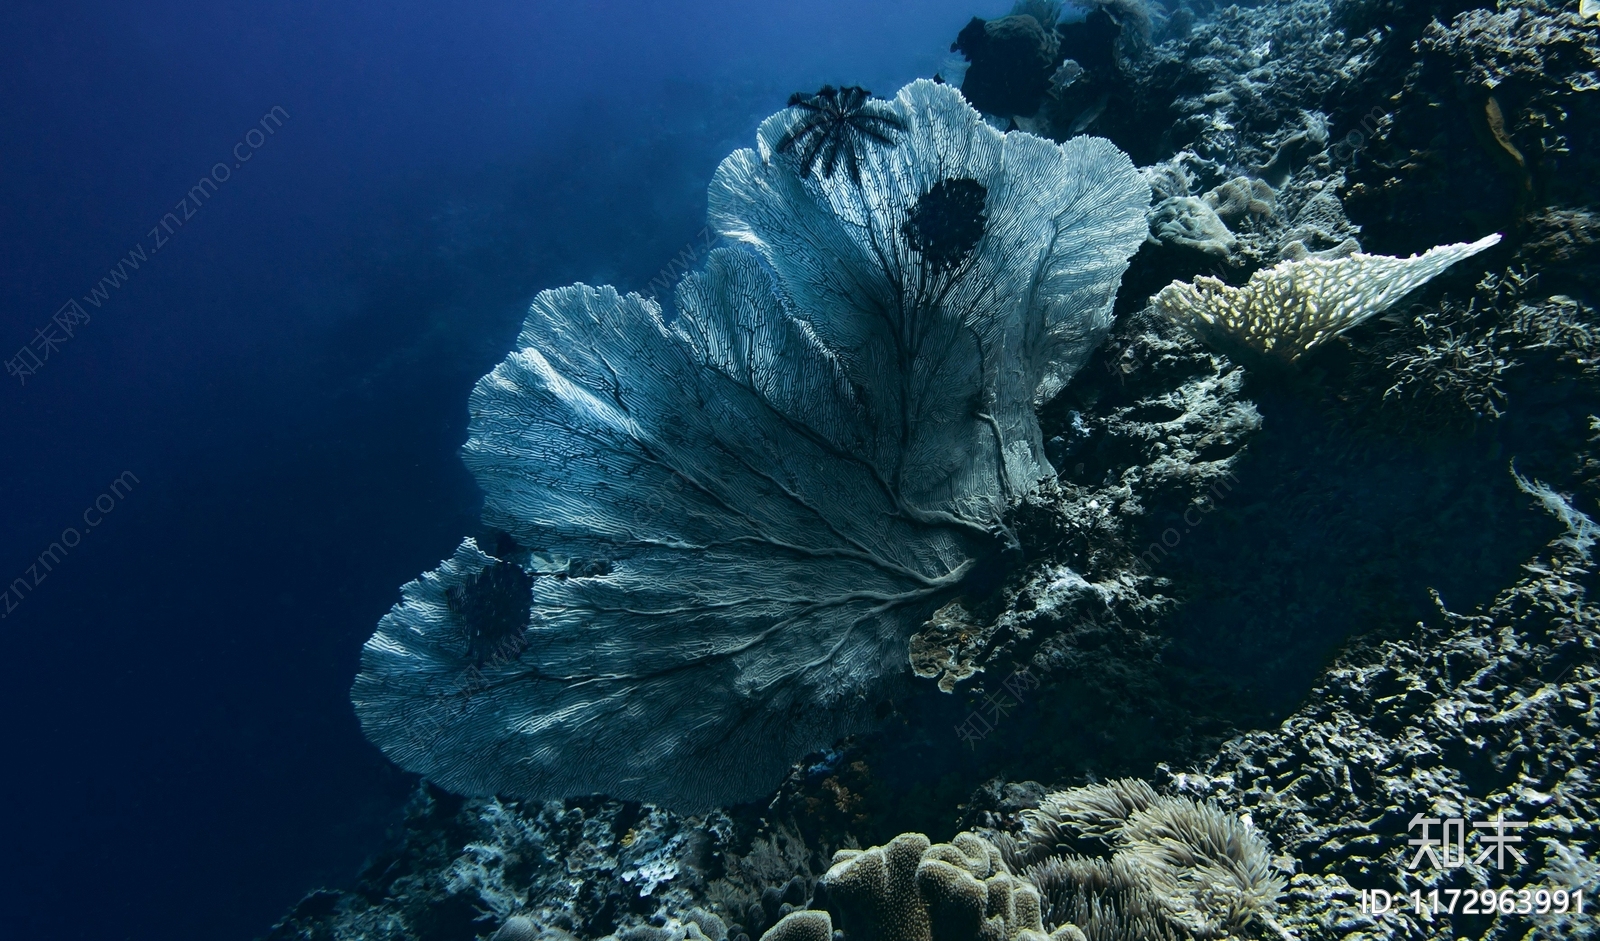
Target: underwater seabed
{"x": 1307, "y": 571}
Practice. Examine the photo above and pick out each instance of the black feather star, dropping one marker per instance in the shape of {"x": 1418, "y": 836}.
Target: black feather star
{"x": 834, "y": 127}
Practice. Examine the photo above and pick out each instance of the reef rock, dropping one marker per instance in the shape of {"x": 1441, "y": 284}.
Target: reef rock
{"x": 1472, "y": 717}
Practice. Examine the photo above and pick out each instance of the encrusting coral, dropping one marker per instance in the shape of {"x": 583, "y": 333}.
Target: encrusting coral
{"x": 773, "y": 489}
{"x": 1199, "y": 222}
{"x": 1288, "y": 309}
{"x": 1192, "y": 222}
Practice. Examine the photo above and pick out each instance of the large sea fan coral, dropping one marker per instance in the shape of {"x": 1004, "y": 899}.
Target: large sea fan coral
{"x": 781, "y": 482}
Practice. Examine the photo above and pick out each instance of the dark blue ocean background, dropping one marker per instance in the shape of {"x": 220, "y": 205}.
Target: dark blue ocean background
{"x": 285, "y": 381}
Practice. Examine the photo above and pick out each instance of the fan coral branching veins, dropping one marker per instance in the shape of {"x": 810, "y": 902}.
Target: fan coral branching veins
{"x": 837, "y": 124}
{"x": 772, "y": 490}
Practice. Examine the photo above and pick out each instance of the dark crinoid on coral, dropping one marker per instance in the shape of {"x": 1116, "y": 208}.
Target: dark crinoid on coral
{"x": 835, "y": 125}
{"x": 946, "y": 223}
{"x": 493, "y": 610}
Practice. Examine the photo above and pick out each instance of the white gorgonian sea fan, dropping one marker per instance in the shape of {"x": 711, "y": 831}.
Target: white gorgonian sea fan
{"x": 740, "y": 514}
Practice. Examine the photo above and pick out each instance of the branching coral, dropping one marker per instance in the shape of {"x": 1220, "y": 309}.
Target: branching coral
{"x": 1582, "y": 532}
{"x": 1460, "y": 370}
{"x": 1562, "y": 326}
{"x": 1455, "y": 360}
{"x": 781, "y": 483}
{"x": 1290, "y": 308}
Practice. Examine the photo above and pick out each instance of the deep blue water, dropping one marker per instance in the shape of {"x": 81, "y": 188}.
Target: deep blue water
{"x": 284, "y": 379}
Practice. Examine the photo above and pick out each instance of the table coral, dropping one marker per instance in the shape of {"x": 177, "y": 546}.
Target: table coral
{"x": 1290, "y": 308}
